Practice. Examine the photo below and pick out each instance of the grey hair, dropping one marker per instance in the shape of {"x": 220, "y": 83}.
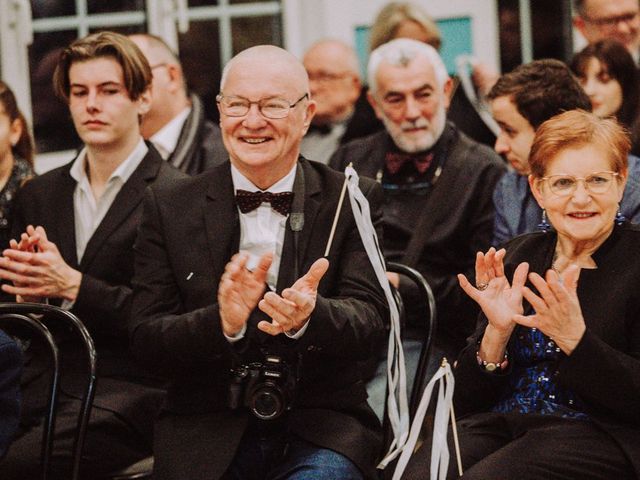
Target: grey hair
{"x": 401, "y": 52}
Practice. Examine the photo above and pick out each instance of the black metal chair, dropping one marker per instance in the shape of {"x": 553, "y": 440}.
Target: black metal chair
{"x": 426, "y": 333}
{"x": 35, "y": 317}
{"x": 427, "y": 329}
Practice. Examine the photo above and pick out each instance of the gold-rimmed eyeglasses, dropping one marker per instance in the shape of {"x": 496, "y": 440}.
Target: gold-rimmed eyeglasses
{"x": 564, "y": 185}
{"x": 273, "y": 108}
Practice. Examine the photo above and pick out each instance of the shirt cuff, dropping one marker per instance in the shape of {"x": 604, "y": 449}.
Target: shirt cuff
{"x": 238, "y": 336}
{"x": 66, "y": 304}
{"x": 299, "y": 333}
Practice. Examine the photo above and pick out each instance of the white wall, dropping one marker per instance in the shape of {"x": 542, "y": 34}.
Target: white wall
{"x": 306, "y": 21}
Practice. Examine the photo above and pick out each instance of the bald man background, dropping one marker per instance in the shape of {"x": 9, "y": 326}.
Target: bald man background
{"x": 176, "y": 123}
{"x": 334, "y": 81}
{"x": 225, "y": 281}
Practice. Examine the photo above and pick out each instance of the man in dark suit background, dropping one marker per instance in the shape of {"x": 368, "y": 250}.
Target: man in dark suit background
{"x": 175, "y": 122}
{"x": 221, "y": 282}
{"x": 334, "y": 81}
{"x": 609, "y": 19}
{"x": 76, "y": 227}
{"x": 437, "y": 182}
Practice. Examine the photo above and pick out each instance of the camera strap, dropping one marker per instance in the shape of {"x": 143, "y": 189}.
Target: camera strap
{"x": 296, "y": 217}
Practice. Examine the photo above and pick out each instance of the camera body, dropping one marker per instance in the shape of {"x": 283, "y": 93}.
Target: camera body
{"x": 266, "y": 388}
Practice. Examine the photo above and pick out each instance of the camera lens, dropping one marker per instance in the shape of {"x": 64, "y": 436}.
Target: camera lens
{"x": 266, "y": 403}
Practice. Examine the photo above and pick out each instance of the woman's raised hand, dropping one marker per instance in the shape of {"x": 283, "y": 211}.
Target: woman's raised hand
{"x": 557, "y": 308}
{"x": 498, "y": 299}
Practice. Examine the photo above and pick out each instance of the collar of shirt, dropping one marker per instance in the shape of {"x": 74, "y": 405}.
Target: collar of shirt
{"x": 285, "y": 184}
{"x": 166, "y": 139}
{"x": 89, "y": 211}
{"x": 263, "y": 230}
{"x": 78, "y": 170}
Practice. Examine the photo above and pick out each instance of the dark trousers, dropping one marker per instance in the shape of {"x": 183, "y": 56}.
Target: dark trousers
{"x": 110, "y": 444}
{"x": 529, "y": 446}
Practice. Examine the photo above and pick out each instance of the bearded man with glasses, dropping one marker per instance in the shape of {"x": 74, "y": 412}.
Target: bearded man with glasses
{"x": 261, "y": 336}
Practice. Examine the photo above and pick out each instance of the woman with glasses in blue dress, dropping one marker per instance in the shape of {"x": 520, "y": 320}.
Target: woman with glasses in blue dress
{"x": 549, "y": 386}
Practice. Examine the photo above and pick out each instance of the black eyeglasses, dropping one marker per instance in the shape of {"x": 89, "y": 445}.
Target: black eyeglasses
{"x": 612, "y": 22}
{"x": 273, "y": 108}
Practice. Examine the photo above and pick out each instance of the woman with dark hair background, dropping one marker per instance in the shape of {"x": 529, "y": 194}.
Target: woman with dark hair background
{"x": 610, "y": 78}
{"x": 16, "y": 157}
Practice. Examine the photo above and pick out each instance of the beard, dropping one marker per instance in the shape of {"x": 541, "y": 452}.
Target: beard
{"x": 412, "y": 143}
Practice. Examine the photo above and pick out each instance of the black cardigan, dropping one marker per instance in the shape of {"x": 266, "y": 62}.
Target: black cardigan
{"x": 604, "y": 368}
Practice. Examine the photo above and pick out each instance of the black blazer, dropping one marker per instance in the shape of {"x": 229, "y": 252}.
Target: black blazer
{"x": 104, "y": 299}
{"x": 457, "y": 221}
{"x": 188, "y": 234}
{"x": 604, "y": 369}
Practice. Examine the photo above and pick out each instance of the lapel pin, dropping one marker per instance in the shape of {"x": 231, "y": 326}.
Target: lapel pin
{"x": 190, "y": 275}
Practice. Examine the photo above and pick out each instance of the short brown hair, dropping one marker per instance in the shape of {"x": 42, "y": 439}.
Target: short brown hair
{"x": 540, "y": 90}
{"x": 576, "y": 129}
{"x": 135, "y": 68}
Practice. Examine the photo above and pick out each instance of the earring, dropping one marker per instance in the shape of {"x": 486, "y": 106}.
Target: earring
{"x": 620, "y": 218}
{"x": 544, "y": 225}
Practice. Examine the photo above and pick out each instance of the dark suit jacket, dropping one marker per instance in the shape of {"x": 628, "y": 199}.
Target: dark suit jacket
{"x": 604, "y": 369}
{"x": 188, "y": 234}
{"x": 104, "y": 299}
{"x": 457, "y": 222}
{"x": 10, "y": 369}
{"x": 199, "y": 146}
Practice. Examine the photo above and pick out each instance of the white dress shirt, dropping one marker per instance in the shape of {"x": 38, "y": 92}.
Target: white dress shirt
{"x": 166, "y": 139}
{"x": 262, "y": 231}
{"x": 90, "y": 211}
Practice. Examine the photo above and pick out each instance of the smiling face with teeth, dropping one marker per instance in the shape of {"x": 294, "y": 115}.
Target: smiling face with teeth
{"x": 582, "y": 217}
{"x": 265, "y": 149}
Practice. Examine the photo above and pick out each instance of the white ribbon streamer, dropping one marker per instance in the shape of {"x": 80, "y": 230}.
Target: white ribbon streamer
{"x": 397, "y": 405}
{"x": 439, "y": 447}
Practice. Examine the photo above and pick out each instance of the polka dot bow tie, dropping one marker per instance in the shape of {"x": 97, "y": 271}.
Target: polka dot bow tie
{"x": 249, "y": 201}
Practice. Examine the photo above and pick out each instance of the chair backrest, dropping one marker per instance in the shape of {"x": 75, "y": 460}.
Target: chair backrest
{"x": 36, "y": 317}
{"x": 429, "y": 325}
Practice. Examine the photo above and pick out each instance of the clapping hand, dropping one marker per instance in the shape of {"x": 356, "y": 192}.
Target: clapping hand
{"x": 291, "y": 311}
{"x": 36, "y": 268}
{"x": 240, "y": 290}
{"x": 558, "y": 313}
{"x": 498, "y": 299}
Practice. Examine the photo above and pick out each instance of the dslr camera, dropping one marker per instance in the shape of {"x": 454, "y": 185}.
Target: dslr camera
{"x": 266, "y": 388}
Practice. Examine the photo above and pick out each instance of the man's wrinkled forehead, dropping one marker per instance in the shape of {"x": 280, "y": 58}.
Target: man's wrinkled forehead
{"x": 416, "y": 72}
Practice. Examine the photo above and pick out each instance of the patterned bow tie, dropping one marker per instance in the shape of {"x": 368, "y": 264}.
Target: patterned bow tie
{"x": 249, "y": 201}
{"x": 395, "y": 161}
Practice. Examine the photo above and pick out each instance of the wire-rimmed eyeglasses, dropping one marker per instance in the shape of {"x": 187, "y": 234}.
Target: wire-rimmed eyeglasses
{"x": 273, "y": 108}
{"x": 564, "y": 185}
